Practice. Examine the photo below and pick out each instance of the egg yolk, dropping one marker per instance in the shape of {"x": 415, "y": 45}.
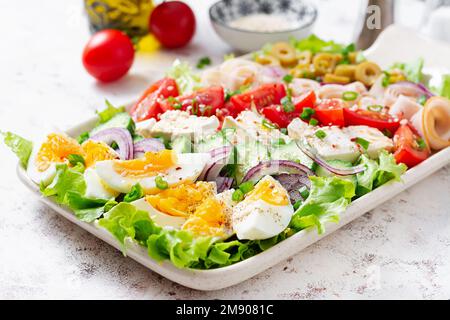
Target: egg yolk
{"x": 181, "y": 200}
{"x": 150, "y": 165}
{"x": 56, "y": 148}
{"x": 94, "y": 151}
{"x": 209, "y": 219}
{"x": 268, "y": 191}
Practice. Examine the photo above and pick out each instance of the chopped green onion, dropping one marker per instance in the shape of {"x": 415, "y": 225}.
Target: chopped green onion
{"x": 83, "y": 137}
{"x": 246, "y": 187}
{"x": 135, "y": 193}
{"x": 320, "y": 134}
{"x": 288, "y": 78}
{"x": 297, "y": 204}
{"x": 288, "y": 106}
{"x": 421, "y": 143}
{"x": 350, "y": 95}
{"x": 268, "y": 125}
{"x": 304, "y": 192}
{"x": 375, "y": 108}
{"x": 284, "y": 131}
{"x": 362, "y": 142}
{"x": 74, "y": 159}
{"x": 161, "y": 183}
{"x": 422, "y": 99}
{"x": 205, "y": 61}
{"x": 237, "y": 195}
{"x": 280, "y": 142}
{"x": 313, "y": 122}
{"x": 174, "y": 102}
{"x": 307, "y": 113}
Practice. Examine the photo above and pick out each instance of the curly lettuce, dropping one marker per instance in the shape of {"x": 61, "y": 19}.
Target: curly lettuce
{"x": 315, "y": 44}
{"x": 412, "y": 70}
{"x": 20, "y": 146}
{"x": 186, "y": 79}
{"x": 328, "y": 198}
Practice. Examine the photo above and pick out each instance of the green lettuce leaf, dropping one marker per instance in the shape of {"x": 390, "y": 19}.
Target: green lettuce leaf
{"x": 388, "y": 169}
{"x": 366, "y": 179}
{"x": 444, "y": 89}
{"x": 20, "y": 146}
{"x": 328, "y": 198}
{"x": 185, "y": 78}
{"x": 413, "y": 70}
{"x": 109, "y": 112}
{"x": 315, "y": 45}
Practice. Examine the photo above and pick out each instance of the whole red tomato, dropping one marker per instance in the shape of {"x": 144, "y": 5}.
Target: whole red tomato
{"x": 172, "y": 23}
{"x": 108, "y": 55}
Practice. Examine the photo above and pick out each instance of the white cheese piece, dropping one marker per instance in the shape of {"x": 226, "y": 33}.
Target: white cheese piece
{"x": 144, "y": 128}
{"x": 377, "y": 140}
{"x": 334, "y": 146}
{"x": 175, "y": 123}
{"x": 249, "y": 126}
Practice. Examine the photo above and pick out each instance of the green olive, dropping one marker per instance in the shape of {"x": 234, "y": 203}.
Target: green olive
{"x": 367, "y": 72}
{"x": 345, "y": 70}
{"x": 267, "y": 60}
{"x": 332, "y": 78}
{"x": 284, "y": 52}
{"x": 324, "y": 63}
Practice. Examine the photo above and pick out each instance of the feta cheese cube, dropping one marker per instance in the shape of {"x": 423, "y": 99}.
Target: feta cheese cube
{"x": 377, "y": 140}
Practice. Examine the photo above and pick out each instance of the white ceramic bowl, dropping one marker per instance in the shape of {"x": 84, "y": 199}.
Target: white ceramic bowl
{"x": 301, "y": 13}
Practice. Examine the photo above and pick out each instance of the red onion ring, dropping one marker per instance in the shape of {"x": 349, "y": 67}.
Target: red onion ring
{"x": 274, "y": 167}
{"x": 147, "y": 145}
{"x": 417, "y": 88}
{"x": 219, "y": 159}
{"x": 120, "y": 136}
{"x": 224, "y": 183}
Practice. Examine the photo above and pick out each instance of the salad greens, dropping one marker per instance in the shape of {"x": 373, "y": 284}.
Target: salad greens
{"x": 412, "y": 70}
{"x": 444, "y": 89}
{"x": 20, "y": 146}
{"x": 315, "y": 45}
{"x": 109, "y": 112}
{"x": 185, "y": 78}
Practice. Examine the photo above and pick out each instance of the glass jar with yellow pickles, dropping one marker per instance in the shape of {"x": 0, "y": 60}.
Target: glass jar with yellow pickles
{"x": 130, "y": 16}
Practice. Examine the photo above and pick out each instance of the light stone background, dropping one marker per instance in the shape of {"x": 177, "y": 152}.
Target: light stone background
{"x": 399, "y": 250}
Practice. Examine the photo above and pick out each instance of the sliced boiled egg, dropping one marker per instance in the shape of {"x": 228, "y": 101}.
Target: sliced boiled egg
{"x": 95, "y": 187}
{"x": 121, "y": 175}
{"x": 160, "y": 218}
{"x": 264, "y": 213}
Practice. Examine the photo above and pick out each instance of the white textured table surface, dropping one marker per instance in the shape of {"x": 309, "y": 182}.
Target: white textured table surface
{"x": 399, "y": 250}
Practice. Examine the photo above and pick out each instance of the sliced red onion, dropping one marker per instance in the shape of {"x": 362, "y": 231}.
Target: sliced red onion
{"x": 275, "y": 167}
{"x": 293, "y": 183}
{"x": 120, "y": 136}
{"x": 147, "y": 145}
{"x": 219, "y": 159}
{"x": 224, "y": 183}
{"x": 412, "y": 88}
{"x": 306, "y": 149}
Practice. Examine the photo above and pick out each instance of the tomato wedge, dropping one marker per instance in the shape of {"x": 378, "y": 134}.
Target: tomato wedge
{"x": 204, "y": 102}
{"x": 148, "y": 105}
{"x": 380, "y": 120}
{"x": 306, "y": 100}
{"x": 408, "y": 150}
{"x": 263, "y": 96}
{"x": 330, "y": 112}
{"x": 276, "y": 115}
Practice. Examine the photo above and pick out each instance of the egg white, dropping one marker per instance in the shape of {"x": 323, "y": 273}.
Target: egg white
{"x": 189, "y": 165}
{"x": 95, "y": 187}
{"x": 160, "y": 218}
{"x": 37, "y": 176}
{"x": 259, "y": 220}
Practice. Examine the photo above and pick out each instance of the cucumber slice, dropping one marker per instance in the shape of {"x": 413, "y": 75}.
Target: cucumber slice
{"x": 120, "y": 120}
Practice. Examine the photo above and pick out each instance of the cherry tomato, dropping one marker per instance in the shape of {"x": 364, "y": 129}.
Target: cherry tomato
{"x": 148, "y": 105}
{"x": 407, "y": 148}
{"x": 276, "y": 115}
{"x": 380, "y": 120}
{"x": 227, "y": 110}
{"x": 173, "y": 24}
{"x": 303, "y": 101}
{"x": 108, "y": 55}
{"x": 204, "y": 102}
{"x": 263, "y": 96}
{"x": 330, "y": 112}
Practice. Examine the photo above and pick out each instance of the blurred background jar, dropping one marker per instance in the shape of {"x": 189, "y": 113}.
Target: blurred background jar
{"x": 130, "y": 16}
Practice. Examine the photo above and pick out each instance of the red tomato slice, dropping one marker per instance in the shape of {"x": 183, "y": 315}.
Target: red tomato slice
{"x": 278, "y": 116}
{"x": 407, "y": 150}
{"x": 303, "y": 101}
{"x": 263, "y": 96}
{"x": 148, "y": 105}
{"x": 330, "y": 112}
{"x": 204, "y": 102}
{"x": 382, "y": 121}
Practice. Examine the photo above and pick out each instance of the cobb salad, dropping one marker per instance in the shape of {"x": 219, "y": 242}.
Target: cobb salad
{"x": 208, "y": 169}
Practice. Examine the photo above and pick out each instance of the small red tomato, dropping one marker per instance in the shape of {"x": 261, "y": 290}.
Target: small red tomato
{"x": 173, "y": 24}
{"x": 108, "y": 55}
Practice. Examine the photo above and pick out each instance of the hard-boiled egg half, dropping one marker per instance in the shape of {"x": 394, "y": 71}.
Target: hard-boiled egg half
{"x": 265, "y": 212}
{"x": 192, "y": 207}
{"x": 56, "y": 148}
{"x": 121, "y": 175}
